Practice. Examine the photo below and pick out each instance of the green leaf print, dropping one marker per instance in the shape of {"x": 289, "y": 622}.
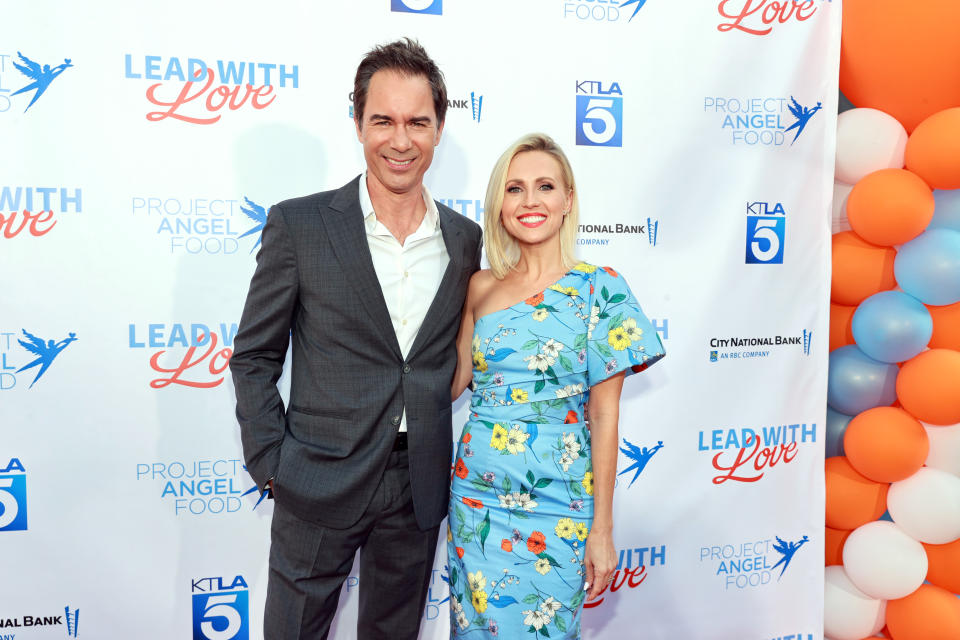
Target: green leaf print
{"x": 549, "y": 558}
{"x": 577, "y": 599}
{"x": 531, "y": 598}
{"x": 529, "y": 344}
{"x": 604, "y": 350}
{"x": 565, "y": 363}
{"x": 561, "y": 625}
{"x": 542, "y": 482}
{"x": 484, "y": 530}
{"x": 506, "y": 484}
{"x": 550, "y": 373}
{"x": 580, "y": 342}
{"x": 530, "y": 477}
{"x": 618, "y": 297}
{"x": 575, "y": 488}
{"x": 604, "y": 293}
{"x": 543, "y": 630}
{"x": 538, "y": 387}
{"x": 461, "y": 518}
{"x": 480, "y": 485}
{"x": 615, "y": 322}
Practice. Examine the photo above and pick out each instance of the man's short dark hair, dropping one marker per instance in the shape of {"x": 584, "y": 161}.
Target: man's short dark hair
{"x": 406, "y": 57}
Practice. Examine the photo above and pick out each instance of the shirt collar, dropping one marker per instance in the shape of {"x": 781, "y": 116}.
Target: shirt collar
{"x": 431, "y": 218}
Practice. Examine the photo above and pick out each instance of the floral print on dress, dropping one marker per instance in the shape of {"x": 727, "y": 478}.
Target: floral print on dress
{"x": 521, "y": 502}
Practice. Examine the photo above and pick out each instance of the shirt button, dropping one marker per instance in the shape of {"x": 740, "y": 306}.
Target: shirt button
{"x": 406, "y": 368}
{"x": 403, "y": 322}
{"x": 395, "y": 420}
{"x": 406, "y": 274}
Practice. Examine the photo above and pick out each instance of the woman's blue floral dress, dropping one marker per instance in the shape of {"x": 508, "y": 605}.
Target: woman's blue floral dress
{"x": 521, "y": 502}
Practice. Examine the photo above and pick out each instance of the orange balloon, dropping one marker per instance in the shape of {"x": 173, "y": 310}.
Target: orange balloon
{"x": 841, "y": 331}
{"x": 933, "y": 150}
{"x": 946, "y": 326}
{"x": 885, "y": 444}
{"x": 901, "y": 57}
{"x": 890, "y": 206}
{"x": 860, "y": 269}
{"x": 834, "y": 541}
{"x": 943, "y": 568}
{"x": 852, "y": 500}
{"x": 928, "y": 386}
{"x": 929, "y": 613}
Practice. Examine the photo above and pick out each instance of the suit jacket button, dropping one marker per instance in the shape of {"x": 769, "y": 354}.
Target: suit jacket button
{"x": 406, "y": 368}
{"x": 395, "y": 420}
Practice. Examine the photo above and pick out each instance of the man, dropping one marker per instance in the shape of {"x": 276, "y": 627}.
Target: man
{"x": 368, "y": 281}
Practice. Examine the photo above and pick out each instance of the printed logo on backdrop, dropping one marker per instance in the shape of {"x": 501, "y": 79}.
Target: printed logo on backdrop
{"x": 31, "y": 358}
{"x": 599, "y": 113}
{"x": 637, "y": 458}
{"x": 221, "y": 608}
{"x": 631, "y": 571}
{"x": 189, "y": 355}
{"x": 752, "y": 564}
{"x": 32, "y": 79}
{"x": 203, "y": 226}
{"x": 68, "y": 619}
{"x": 760, "y": 121}
{"x": 473, "y": 103}
{"x": 605, "y": 11}
{"x": 432, "y": 7}
{"x": 752, "y": 347}
{"x": 469, "y": 208}
{"x": 191, "y": 90}
{"x": 766, "y": 232}
{"x": 747, "y": 454}
{"x": 200, "y": 487}
{"x": 602, "y": 234}
{"x": 13, "y": 496}
{"x": 33, "y": 210}
{"x": 760, "y": 17}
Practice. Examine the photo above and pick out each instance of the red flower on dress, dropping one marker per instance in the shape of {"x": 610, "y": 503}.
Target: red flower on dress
{"x": 535, "y": 300}
{"x": 536, "y": 543}
{"x": 611, "y": 272}
{"x": 572, "y": 417}
{"x": 506, "y": 545}
{"x": 637, "y": 368}
{"x": 467, "y": 437}
{"x": 461, "y": 470}
{"x": 473, "y": 504}
{"x": 459, "y": 552}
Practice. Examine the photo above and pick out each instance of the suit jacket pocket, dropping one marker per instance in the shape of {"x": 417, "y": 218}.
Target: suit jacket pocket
{"x": 324, "y": 413}
{"x": 327, "y": 436}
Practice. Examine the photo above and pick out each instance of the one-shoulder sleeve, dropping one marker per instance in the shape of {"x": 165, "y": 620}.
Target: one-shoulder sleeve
{"x": 619, "y": 335}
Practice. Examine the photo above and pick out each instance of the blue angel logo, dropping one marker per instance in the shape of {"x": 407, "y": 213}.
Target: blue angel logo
{"x": 640, "y": 456}
{"x": 802, "y": 114}
{"x": 259, "y": 215}
{"x": 787, "y": 550}
{"x": 46, "y": 351}
{"x": 636, "y": 9}
{"x": 263, "y": 494}
{"x": 41, "y": 76}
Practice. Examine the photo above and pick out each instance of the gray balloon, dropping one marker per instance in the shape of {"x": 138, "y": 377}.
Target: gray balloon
{"x": 836, "y": 426}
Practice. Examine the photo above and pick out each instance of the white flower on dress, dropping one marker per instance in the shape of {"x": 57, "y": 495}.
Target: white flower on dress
{"x": 526, "y": 502}
{"x": 515, "y": 440}
{"x": 565, "y": 462}
{"x": 633, "y": 332}
{"x": 550, "y": 606}
{"x": 542, "y": 566}
{"x": 507, "y": 501}
{"x": 462, "y": 621}
{"x": 571, "y": 445}
{"x": 594, "y": 319}
{"x": 569, "y": 390}
{"x": 476, "y": 580}
{"x": 540, "y": 315}
{"x": 552, "y": 348}
{"x": 539, "y": 362}
{"x": 536, "y": 618}
{"x": 455, "y": 604}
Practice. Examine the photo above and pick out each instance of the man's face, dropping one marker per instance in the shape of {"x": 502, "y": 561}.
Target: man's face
{"x": 399, "y": 131}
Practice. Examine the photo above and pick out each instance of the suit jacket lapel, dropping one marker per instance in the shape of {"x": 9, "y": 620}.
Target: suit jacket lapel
{"x": 348, "y": 236}
{"x": 442, "y": 301}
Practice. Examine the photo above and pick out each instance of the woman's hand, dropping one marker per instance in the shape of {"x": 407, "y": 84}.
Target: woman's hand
{"x": 600, "y": 559}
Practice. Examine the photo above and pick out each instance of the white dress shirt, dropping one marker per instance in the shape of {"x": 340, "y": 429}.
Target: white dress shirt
{"x": 409, "y": 273}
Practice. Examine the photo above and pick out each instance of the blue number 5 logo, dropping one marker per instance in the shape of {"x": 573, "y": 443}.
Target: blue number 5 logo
{"x": 599, "y": 121}
{"x": 222, "y": 616}
{"x": 765, "y": 240}
{"x": 13, "y": 496}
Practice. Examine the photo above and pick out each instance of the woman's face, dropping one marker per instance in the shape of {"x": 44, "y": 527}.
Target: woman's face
{"x": 535, "y": 198}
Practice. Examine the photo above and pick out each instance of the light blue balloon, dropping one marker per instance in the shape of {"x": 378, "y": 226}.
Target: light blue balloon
{"x": 928, "y": 267}
{"x": 857, "y": 382}
{"x": 946, "y": 214}
{"x": 836, "y": 427}
{"x": 891, "y": 326}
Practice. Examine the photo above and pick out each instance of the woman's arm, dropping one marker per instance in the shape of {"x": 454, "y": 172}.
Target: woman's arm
{"x": 464, "y": 371}
{"x": 604, "y": 409}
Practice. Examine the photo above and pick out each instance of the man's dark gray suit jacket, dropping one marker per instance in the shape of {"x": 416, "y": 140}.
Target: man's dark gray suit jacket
{"x": 315, "y": 284}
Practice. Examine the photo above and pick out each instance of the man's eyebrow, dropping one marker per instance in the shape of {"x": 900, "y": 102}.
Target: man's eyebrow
{"x": 377, "y": 116}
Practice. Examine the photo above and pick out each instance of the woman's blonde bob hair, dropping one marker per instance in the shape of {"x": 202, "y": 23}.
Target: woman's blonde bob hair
{"x": 503, "y": 251}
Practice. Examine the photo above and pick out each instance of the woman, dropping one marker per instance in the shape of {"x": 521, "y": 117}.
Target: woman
{"x": 543, "y": 338}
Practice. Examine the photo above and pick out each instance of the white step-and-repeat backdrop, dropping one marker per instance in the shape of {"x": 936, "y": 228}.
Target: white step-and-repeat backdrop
{"x": 131, "y": 201}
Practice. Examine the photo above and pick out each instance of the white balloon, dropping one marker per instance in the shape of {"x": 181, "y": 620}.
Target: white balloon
{"x": 927, "y": 505}
{"x": 848, "y": 613}
{"x": 944, "y": 448}
{"x": 883, "y": 561}
{"x": 839, "y": 220}
{"x": 868, "y": 140}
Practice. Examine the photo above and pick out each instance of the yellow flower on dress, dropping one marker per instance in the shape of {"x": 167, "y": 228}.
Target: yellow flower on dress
{"x": 617, "y": 338}
{"x": 542, "y": 566}
{"x": 479, "y": 599}
{"x": 540, "y": 315}
{"x": 582, "y": 531}
{"x": 569, "y": 291}
{"x": 476, "y": 580}
{"x": 633, "y": 332}
{"x": 518, "y": 395}
{"x": 565, "y": 529}
{"x": 499, "y": 438}
{"x": 515, "y": 440}
{"x": 479, "y": 361}
{"x": 586, "y": 268}
{"x": 449, "y": 534}
{"x": 587, "y": 482}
